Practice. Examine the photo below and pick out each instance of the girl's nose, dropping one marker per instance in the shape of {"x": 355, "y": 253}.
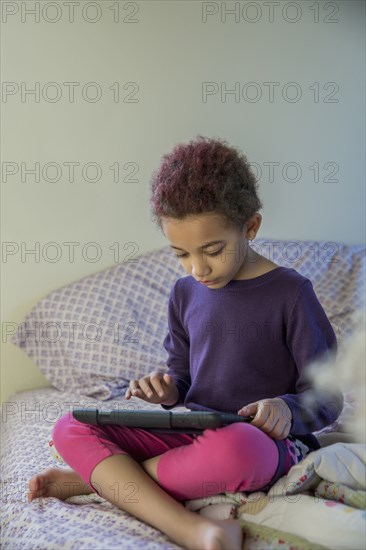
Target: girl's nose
{"x": 200, "y": 269}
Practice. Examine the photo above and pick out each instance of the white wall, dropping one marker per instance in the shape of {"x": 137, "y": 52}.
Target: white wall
{"x": 168, "y": 50}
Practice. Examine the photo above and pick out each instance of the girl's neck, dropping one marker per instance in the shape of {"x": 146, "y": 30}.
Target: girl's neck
{"x": 254, "y": 266}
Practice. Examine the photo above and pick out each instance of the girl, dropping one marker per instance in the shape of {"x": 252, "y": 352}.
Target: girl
{"x": 242, "y": 331}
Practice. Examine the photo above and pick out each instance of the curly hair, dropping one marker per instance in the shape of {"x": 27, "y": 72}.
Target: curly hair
{"x": 205, "y": 175}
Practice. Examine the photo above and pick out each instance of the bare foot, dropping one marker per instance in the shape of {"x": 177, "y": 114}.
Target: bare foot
{"x": 58, "y": 483}
{"x": 218, "y": 534}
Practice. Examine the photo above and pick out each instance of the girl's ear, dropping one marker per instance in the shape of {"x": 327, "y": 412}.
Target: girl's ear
{"x": 253, "y": 225}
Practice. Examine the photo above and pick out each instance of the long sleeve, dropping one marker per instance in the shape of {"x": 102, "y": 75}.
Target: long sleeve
{"x": 176, "y": 344}
{"x": 310, "y": 337}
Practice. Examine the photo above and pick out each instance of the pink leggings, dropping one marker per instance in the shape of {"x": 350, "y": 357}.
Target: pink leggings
{"x": 237, "y": 457}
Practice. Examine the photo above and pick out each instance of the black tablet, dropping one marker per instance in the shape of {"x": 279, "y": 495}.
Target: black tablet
{"x": 159, "y": 421}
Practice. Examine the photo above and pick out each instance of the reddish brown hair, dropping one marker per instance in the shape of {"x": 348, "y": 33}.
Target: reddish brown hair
{"x": 202, "y": 176}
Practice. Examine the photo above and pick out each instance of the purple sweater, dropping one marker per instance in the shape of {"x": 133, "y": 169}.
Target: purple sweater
{"x": 249, "y": 340}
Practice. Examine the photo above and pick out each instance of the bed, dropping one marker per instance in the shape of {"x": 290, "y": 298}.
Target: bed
{"x": 90, "y": 337}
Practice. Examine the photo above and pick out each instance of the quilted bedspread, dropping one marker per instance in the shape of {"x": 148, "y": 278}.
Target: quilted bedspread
{"x": 319, "y": 504}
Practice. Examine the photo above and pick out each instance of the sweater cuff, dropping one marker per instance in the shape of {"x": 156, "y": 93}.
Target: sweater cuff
{"x": 302, "y": 419}
{"x": 180, "y": 403}
{"x": 312, "y": 411}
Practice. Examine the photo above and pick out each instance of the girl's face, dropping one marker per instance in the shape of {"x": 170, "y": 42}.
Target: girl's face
{"x": 208, "y": 250}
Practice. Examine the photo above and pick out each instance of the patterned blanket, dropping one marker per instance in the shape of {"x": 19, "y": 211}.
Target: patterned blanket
{"x": 327, "y": 489}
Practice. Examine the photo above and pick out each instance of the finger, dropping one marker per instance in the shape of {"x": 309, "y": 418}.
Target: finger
{"x": 268, "y": 426}
{"x": 249, "y": 410}
{"x": 276, "y": 435}
{"x": 135, "y": 389}
{"x": 128, "y": 394}
{"x": 161, "y": 382}
{"x": 285, "y": 432}
{"x": 146, "y": 388}
{"x": 269, "y": 421}
{"x": 262, "y": 416}
{"x": 280, "y": 422}
{"x": 168, "y": 379}
{"x": 157, "y": 384}
{"x": 265, "y": 426}
{"x": 134, "y": 386}
{"x": 280, "y": 436}
{"x": 273, "y": 429}
{"x": 137, "y": 392}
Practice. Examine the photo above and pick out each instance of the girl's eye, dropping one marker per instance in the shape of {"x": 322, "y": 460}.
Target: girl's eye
{"x": 216, "y": 253}
{"x": 213, "y": 254}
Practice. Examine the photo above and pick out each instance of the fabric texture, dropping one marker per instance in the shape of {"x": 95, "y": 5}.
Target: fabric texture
{"x": 330, "y": 478}
{"x": 237, "y": 457}
{"x": 89, "y": 521}
{"x": 93, "y": 335}
{"x": 250, "y": 340}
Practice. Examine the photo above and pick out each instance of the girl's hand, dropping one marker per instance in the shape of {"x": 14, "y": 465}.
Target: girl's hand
{"x": 157, "y": 387}
{"x": 272, "y": 416}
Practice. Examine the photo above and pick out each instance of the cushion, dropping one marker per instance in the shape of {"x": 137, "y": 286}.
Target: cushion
{"x": 96, "y": 334}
